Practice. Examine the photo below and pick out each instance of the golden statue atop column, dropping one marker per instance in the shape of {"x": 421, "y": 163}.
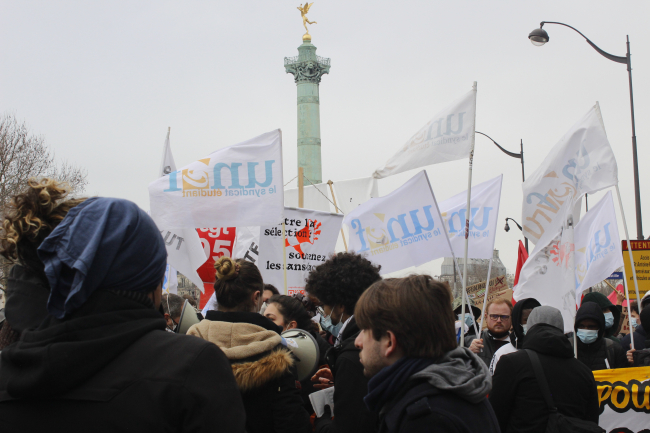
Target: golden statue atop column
{"x": 303, "y": 12}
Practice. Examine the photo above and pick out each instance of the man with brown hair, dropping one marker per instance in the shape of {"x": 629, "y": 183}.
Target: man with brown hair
{"x": 420, "y": 380}
{"x": 498, "y": 316}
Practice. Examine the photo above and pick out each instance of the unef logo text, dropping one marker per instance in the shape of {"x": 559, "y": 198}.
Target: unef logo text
{"x": 203, "y": 180}
{"x": 403, "y": 229}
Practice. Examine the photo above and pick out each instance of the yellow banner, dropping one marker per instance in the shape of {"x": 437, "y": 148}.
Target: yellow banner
{"x": 624, "y": 399}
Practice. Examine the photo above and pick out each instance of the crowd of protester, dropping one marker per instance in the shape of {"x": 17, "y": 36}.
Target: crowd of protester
{"x": 90, "y": 342}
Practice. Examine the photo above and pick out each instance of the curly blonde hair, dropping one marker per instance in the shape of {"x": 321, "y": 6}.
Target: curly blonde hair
{"x": 31, "y": 215}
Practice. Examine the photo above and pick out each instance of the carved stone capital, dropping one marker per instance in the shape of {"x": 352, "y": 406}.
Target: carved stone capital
{"x": 309, "y": 71}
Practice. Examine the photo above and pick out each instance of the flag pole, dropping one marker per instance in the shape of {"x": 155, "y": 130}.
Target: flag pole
{"x": 629, "y": 251}
{"x": 330, "y": 183}
{"x": 572, "y": 266}
{"x": 456, "y": 267}
{"x": 284, "y": 256}
{"x": 487, "y": 288}
{"x": 467, "y": 217}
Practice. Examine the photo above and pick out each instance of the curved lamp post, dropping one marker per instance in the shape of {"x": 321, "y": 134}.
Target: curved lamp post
{"x": 507, "y": 229}
{"x": 539, "y": 37}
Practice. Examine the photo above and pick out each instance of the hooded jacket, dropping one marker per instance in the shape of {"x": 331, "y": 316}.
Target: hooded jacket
{"x": 516, "y": 396}
{"x": 594, "y": 355}
{"x": 262, "y": 367}
{"x": 447, "y": 396}
{"x": 642, "y": 357}
{"x": 350, "y": 387}
{"x": 110, "y": 366}
{"x": 603, "y": 302}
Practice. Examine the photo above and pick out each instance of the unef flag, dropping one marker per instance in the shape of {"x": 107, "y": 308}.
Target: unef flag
{"x": 582, "y": 162}
{"x": 399, "y": 230}
{"x": 447, "y": 137}
{"x": 240, "y": 185}
{"x": 598, "y": 247}
{"x": 310, "y": 237}
{"x": 482, "y": 221}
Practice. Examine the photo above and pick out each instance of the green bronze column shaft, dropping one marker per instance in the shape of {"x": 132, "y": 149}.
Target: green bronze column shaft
{"x": 308, "y": 69}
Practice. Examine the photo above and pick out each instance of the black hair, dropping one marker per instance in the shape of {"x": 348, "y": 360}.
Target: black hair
{"x": 293, "y": 310}
{"x": 271, "y": 288}
{"x": 342, "y": 279}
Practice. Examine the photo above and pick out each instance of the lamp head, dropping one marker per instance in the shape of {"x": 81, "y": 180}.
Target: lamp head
{"x": 538, "y": 37}
{"x": 507, "y": 227}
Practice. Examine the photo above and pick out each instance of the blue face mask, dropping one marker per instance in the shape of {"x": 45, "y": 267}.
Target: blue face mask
{"x": 633, "y": 322}
{"x": 469, "y": 319}
{"x": 587, "y": 336}
{"x": 609, "y": 320}
{"x": 525, "y": 328}
{"x": 326, "y": 324}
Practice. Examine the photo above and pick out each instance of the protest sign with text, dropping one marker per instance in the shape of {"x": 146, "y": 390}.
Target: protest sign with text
{"x": 310, "y": 237}
{"x": 624, "y": 399}
{"x": 239, "y": 185}
{"x": 447, "y": 137}
{"x": 217, "y": 242}
{"x": 401, "y": 229}
{"x": 581, "y": 162}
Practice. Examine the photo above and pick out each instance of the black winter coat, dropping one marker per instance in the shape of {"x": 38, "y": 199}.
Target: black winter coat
{"x": 640, "y": 337}
{"x": 112, "y": 367}
{"x": 490, "y": 346}
{"x": 593, "y": 355}
{"x": 350, "y": 386}
{"x": 516, "y": 396}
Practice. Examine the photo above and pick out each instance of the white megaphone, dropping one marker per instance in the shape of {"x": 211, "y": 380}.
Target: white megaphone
{"x": 305, "y": 349}
{"x": 188, "y": 318}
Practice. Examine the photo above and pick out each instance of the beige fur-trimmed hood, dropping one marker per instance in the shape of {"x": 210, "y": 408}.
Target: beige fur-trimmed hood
{"x": 252, "y": 350}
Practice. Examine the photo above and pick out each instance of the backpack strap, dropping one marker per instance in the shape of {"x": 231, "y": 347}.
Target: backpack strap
{"x": 541, "y": 379}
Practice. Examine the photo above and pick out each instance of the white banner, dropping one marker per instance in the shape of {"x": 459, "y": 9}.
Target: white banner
{"x": 482, "y": 224}
{"x": 623, "y": 399}
{"x": 399, "y": 230}
{"x": 582, "y": 162}
{"x": 315, "y": 197}
{"x": 549, "y": 276}
{"x": 447, "y": 137}
{"x": 598, "y": 247}
{"x": 310, "y": 238}
{"x": 239, "y": 185}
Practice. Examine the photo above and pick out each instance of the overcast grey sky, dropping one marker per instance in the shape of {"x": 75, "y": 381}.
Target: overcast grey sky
{"x": 102, "y": 80}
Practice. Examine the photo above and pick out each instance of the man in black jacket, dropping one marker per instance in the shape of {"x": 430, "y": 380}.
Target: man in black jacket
{"x": 516, "y": 396}
{"x": 594, "y": 350}
{"x": 420, "y": 380}
{"x": 338, "y": 283}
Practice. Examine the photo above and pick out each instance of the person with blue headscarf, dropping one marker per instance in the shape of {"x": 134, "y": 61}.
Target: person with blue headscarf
{"x": 101, "y": 360}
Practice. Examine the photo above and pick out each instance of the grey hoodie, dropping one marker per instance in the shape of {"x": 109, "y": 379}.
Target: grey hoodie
{"x": 460, "y": 372}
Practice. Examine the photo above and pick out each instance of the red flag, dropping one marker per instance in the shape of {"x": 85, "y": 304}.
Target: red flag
{"x": 522, "y": 256}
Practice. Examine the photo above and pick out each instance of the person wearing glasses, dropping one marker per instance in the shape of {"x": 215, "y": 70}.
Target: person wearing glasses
{"x": 498, "y": 317}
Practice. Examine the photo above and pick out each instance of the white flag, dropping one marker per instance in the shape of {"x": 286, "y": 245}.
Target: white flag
{"x": 310, "y": 237}
{"x": 185, "y": 253}
{"x": 354, "y": 192}
{"x": 247, "y": 244}
{"x": 482, "y": 223}
{"x": 168, "y": 165}
{"x": 170, "y": 281}
{"x": 399, "y": 230}
{"x": 598, "y": 247}
{"x": 447, "y": 137}
{"x": 240, "y": 185}
{"x": 549, "y": 276}
{"x": 582, "y": 162}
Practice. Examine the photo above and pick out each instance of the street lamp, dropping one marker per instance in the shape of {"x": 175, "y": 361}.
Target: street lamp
{"x": 512, "y": 154}
{"x": 539, "y": 37}
{"x": 507, "y": 229}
